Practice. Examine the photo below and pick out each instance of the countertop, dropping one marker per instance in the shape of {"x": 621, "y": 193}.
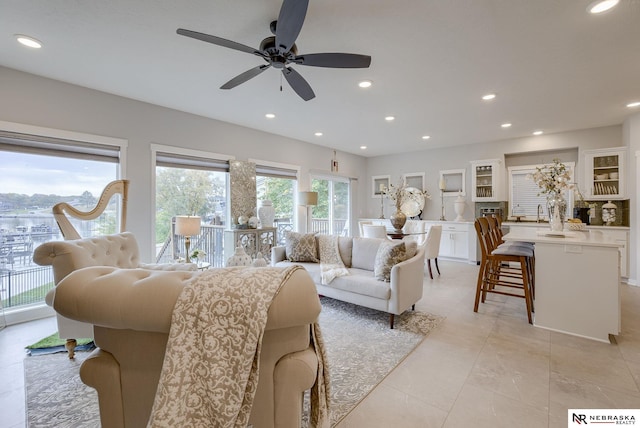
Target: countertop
{"x": 575, "y": 238}
{"x": 543, "y": 225}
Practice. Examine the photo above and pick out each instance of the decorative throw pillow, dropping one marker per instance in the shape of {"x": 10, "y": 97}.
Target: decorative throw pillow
{"x": 301, "y": 247}
{"x": 389, "y": 254}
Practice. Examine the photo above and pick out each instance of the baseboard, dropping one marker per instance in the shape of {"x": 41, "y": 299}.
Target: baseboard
{"x": 28, "y": 313}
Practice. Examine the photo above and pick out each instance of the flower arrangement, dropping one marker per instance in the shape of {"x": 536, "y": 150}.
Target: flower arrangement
{"x": 399, "y": 192}
{"x": 552, "y": 179}
{"x": 197, "y": 254}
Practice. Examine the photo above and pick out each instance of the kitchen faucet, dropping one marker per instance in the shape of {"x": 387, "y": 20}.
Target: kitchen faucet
{"x": 539, "y": 212}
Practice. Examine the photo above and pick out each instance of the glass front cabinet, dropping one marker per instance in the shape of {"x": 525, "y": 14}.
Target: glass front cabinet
{"x": 605, "y": 174}
{"x": 486, "y": 180}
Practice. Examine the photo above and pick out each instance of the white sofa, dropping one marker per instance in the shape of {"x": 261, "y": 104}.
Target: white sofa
{"x": 361, "y": 287}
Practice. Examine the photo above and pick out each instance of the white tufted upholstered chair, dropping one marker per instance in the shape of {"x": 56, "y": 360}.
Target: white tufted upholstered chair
{"x": 118, "y": 250}
{"x": 374, "y": 231}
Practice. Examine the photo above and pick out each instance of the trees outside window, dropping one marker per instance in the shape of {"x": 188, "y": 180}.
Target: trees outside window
{"x": 331, "y": 215}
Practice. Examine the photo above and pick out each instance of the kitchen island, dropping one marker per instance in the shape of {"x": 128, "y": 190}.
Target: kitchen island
{"x": 577, "y": 281}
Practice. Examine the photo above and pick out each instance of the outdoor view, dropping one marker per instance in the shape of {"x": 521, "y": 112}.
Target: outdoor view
{"x": 31, "y": 184}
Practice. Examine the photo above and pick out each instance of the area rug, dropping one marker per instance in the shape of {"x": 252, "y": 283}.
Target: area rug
{"x": 52, "y": 344}
{"x": 361, "y": 351}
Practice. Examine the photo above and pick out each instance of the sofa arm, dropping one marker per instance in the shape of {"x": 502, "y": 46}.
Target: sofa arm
{"x": 278, "y": 254}
{"x": 406, "y": 283}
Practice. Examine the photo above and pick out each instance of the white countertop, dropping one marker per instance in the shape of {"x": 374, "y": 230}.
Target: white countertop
{"x": 542, "y": 225}
{"x": 545, "y": 235}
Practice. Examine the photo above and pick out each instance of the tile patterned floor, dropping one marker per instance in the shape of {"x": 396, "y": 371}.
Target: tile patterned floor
{"x": 485, "y": 369}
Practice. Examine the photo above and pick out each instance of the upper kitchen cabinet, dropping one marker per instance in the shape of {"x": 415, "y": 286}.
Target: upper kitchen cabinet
{"x": 487, "y": 177}
{"x": 605, "y": 173}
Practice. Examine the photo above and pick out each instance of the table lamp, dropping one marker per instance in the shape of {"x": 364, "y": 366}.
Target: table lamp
{"x": 187, "y": 226}
{"x": 308, "y": 199}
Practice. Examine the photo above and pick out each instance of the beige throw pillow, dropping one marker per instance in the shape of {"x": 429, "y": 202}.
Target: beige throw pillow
{"x": 389, "y": 254}
{"x": 301, "y": 247}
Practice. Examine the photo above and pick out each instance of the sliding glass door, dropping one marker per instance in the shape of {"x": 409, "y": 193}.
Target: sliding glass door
{"x": 331, "y": 215}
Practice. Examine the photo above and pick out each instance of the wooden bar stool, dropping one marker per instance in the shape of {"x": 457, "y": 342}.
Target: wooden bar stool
{"x": 502, "y": 269}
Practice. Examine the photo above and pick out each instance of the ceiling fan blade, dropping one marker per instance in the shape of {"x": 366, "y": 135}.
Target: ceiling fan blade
{"x": 290, "y": 20}
{"x": 334, "y": 60}
{"x": 219, "y": 41}
{"x": 298, "y": 84}
{"x": 243, "y": 77}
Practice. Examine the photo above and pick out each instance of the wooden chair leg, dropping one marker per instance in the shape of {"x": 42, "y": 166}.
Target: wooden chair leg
{"x": 391, "y": 318}
{"x": 437, "y": 268}
{"x": 429, "y": 265}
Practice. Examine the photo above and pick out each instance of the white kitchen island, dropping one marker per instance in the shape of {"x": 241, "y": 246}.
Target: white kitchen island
{"x": 577, "y": 282}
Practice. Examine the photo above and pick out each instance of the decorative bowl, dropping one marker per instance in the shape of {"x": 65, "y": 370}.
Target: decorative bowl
{"x": 602, "y": 176}
{"x": 577, "y": 226}
{"x": 613, "y": 175}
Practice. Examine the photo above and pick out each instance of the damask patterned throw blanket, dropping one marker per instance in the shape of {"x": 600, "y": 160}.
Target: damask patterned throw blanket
{"x": 210, "y": 371}
{"x": 331, "y": 265}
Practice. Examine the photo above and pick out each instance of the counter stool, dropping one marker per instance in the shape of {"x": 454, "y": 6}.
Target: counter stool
{"x": 507, "y": 268}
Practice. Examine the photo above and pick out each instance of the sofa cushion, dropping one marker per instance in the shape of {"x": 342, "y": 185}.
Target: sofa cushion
{"x": 301, "y": 247}
{"x": 364, "y": 252}
{"x": 361, "y": 281}
{"x": 345, "y": 247}
{"x": 389, "y": 254}
{"x": 412, "y": 249}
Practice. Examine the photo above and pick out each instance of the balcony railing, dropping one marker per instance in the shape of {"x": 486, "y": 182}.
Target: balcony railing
{"x": 25, "y": 287}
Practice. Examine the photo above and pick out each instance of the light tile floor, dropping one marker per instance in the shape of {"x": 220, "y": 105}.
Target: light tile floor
{"x": 486, "y": 369}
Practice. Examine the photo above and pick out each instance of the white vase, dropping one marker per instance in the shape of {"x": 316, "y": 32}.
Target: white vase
{"x": 239, "y": 258}
{"x": 459, "y": 205}
{"x": 259, "y": 261}
{"x": 266, "y": 213}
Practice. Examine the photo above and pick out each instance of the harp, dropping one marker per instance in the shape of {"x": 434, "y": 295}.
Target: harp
{"x": 66, "y": 228}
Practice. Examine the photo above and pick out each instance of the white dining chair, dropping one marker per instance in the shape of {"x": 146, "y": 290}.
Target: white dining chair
{"x": 374, "y": 231}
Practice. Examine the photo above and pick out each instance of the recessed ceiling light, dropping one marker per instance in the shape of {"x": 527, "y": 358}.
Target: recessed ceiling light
{"x": 537, "y": 132}
{"x": 363, "y": 147}
{"x": 269, "y": 115}
{"x": 390, "y": 118}
{"x": 28, "y": 41}
{"x": 602, "y": 6}
{"x": 634, "y": 104}
{"x": 488, "y": 97}
{"x": 426, "y": 137}
{"x": 506, "y": 125}
{"x": 318, "y": 134}
{"x": 365, "y": 84}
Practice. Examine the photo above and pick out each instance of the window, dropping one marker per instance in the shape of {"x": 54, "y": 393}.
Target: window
{"x": 331, "y": 215}
{"x": 278, "y": 183}
{"x": 41, "y": 167}
{"x": 523, "y": 193}
{"x": 190, "y": 183}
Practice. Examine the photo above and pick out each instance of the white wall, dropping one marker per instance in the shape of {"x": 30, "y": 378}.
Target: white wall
{"x": 632, "y": 140}
{"x": 33, "y": 100}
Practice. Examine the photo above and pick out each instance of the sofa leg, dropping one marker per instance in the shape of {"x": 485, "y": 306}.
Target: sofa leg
{"x": 391, "y": 317}
{"x": 413, "y": 307}
{"x": 70, "y": 346}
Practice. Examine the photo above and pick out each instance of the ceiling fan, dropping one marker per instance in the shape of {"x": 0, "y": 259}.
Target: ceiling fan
{"x": 280, "y": 50}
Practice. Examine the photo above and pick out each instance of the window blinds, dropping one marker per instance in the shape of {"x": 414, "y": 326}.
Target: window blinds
{"x": 51, "y": 146}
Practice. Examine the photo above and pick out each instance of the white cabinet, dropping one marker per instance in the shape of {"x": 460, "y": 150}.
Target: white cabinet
{"x": 454, "y": 242}
{"x": 253, "y": 241}
{"x": 487, "y": 177}
{"x": 605, "y": 174}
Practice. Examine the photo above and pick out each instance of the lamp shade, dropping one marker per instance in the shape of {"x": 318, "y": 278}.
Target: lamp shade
{"x": 187, "y": 225}
{"x": 308, "y": 198}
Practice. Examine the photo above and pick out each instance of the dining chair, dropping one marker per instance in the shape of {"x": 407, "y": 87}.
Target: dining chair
{"x": 432, "y": 247}
{"x": 374, "y": 231}
{"x": 361, "y": 223}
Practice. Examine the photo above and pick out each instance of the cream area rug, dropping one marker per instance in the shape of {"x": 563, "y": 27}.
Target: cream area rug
{"x": 361, "y": 351}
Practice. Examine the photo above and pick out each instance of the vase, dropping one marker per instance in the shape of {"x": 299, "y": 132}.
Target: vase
{"x": 239, "y": 258}
{"x": 259, "y": 261}
{"x": 557, "y": 207}
{"x": 459, "y": 206}
{"x": 398, "y": 219}
{"x": 266, "y": 213}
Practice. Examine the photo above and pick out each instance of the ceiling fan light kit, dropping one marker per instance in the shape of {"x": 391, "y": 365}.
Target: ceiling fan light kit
{"x": 280, "y": 50}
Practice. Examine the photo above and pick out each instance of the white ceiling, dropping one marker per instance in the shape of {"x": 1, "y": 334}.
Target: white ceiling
{"x": 554, "y": 66}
